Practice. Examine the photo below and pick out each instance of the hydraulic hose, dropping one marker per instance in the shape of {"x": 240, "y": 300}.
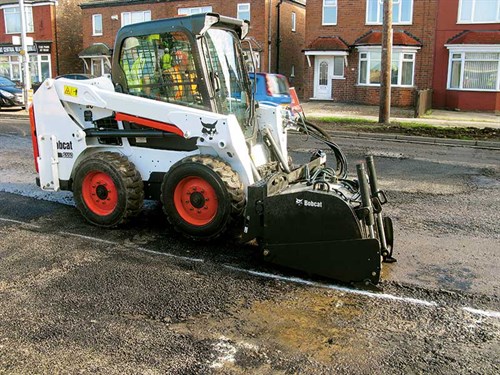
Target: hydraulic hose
{"x": 316, "y": 132}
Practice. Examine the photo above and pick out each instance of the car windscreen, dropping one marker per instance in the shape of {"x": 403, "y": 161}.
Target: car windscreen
{"x": 277, "y": 84}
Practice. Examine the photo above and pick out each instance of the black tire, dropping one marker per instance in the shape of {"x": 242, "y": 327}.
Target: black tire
{"x": 202, "y": 197}
{"x": 108, "y": 190}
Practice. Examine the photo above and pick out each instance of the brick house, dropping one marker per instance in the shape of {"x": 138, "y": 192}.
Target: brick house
{"x": 343, "y": 50}
{"x": 54, "y": 28}
{"x": 467, "y": 55}
{"x": 275, "y": 49}
{"x": 40, "y": 25}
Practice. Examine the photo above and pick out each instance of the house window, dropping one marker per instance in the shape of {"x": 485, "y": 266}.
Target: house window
{"x": 402, "y": 11}
{"x": 292, "y": 72}
{"x": 477, "y": 71}
{"x": 12, "y": 17}
{"x": 338, "y": 67}
{"x": 243, "y": 12}
{"x": 39, "y": 67}
{"x": 479, "y": 11}
{"x": 134, "y": 17}
{"x": 195, "y": 10}
{"x": 97, "y": 24}
{"x": 294, "y": 21}
{"x": 402, "y": 67}
{"x": 329, "y": 12}
{"x": 10, "y": 66}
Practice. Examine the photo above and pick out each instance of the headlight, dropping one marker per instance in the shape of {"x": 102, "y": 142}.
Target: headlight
{"x": 6, "y": 94}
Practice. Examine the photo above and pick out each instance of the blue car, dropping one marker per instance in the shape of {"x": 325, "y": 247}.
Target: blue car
{"x": 273, "y": 88}
{"x": 10, "y": 94}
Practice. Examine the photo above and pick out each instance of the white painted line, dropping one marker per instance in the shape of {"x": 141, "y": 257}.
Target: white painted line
{"x": 19, "y": 222}
{"x": 89, "y": 238}
{"x": 137, "y": 248}
{"x": 170, "y": 255}
{"x": 491, "y": 314}
{"x": 336, "y": 287}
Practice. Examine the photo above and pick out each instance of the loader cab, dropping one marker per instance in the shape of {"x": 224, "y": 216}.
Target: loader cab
{"x": 193, "y": 61}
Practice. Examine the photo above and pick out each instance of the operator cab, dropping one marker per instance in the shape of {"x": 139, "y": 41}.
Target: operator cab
{"x": 194, "y": 61}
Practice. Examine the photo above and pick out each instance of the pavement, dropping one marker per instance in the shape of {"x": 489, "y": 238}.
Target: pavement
{"x": 436, "y": 117}
{"x": 312, "y": 109}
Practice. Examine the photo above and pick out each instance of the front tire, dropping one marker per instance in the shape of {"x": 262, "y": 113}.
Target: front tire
{"x": 202, "y": 196}
{"x": 108, "y": 189}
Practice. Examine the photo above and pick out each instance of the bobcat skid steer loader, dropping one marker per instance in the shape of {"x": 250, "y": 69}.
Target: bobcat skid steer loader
{"x": 176, "y": 122}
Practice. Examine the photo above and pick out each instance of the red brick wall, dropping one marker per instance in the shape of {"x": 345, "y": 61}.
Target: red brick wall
{"x": 447, "y": 28}
{"x": 351, "y": 19}
{"x": 292, "y": 43}
{"x": 258, "y": 22}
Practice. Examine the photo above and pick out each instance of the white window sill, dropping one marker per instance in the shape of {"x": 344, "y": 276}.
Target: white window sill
{"x": 329, "y": 24}
{"x": 394, "y": 23}
{"x": 473, "y": 90}
{"x": 378, "y": 85}
{"x": 338, "y": 78}
{"x": 476, "y": 22}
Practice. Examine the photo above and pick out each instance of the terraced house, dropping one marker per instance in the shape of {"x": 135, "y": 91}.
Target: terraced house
{"x": 102, "y": 19}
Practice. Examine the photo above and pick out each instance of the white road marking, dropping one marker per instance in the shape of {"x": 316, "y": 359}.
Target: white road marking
{"x": 489, "y": 313}
{"x": 137, "y": 248}
{"x": 19, "y": 222}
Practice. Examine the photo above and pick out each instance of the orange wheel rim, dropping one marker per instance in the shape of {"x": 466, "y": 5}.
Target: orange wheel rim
{"x": 99, "y": 193}
{"x": 196, "y": 201}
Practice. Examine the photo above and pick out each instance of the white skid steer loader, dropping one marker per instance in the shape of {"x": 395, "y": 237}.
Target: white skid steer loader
{"x": 177, "y": 122}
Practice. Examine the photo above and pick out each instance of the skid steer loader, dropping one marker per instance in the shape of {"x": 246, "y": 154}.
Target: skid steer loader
{"x": 177, "y": 122}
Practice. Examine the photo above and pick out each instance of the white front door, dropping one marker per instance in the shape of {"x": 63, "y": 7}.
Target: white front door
{"x": 323, "y": 73}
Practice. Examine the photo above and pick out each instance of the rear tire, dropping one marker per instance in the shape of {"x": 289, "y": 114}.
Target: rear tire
{"x": 108, "y": 189}
{"x": 202, "y": 196}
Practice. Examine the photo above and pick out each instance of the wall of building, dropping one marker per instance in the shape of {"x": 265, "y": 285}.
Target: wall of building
{"x": 351, "y": 24}
{"x": 291, "y": 43}
{"x": 446, "y": 29}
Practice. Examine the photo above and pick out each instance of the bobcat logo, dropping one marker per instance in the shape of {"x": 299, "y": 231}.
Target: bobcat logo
{"x": 299, "y": 202}
{"x": 209, "y": 129}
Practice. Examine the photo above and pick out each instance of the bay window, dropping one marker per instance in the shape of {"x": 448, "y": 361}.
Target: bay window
{"x": 329, "y": 12}
{"x": 402, "y": 11}
{"x": 474, "y": 70}
{"x": 402, "y": 66}
{"x": 479, "y": 11}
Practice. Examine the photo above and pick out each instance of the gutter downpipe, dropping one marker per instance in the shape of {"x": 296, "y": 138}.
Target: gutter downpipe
{"x": 278, "y": 36}
{"x": 269, "y": 36}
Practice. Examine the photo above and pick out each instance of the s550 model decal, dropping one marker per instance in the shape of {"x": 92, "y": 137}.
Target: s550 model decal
{"x": 209, "y": 129}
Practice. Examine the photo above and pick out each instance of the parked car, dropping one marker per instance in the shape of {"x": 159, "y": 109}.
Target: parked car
{"x": 76, "y": 76}
{"x": 10, "y": 94}
{"x": 272, "y": 88}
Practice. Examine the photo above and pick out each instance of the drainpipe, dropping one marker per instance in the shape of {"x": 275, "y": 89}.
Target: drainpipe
{"x": 278, "y": 37}
{"x": 269, "y": 36}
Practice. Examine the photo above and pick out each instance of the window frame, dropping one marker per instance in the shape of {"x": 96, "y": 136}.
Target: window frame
{"x": 462, "y": 50}
{"x": 94, "y": 32}
{"x": 472, "y": 21}
{"x": 187, "y": 11}
{"x": 294, "y": 22}
{"x": 401, "y": 51}
{"x": 144, "y": 12}
{"x": 238, "y": 11}
{"x": 336, "y": 6}
{"x": 28, "y": 9}
{"x": 380, "y": 13}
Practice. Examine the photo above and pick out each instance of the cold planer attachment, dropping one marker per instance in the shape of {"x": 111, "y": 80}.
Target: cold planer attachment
{"x": 316, "y": 230}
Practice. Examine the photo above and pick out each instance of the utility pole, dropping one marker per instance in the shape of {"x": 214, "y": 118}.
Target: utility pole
{"x": 384, "y": 116}
{"x": 24, "y": 54}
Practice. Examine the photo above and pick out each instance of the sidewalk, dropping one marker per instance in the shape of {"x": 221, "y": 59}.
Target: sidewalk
{"x": 441, "y": 118}
{"x": 314, "y": 109}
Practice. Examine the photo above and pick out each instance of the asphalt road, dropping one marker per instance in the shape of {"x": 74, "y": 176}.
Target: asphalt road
{"x": 141, "y": 299}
